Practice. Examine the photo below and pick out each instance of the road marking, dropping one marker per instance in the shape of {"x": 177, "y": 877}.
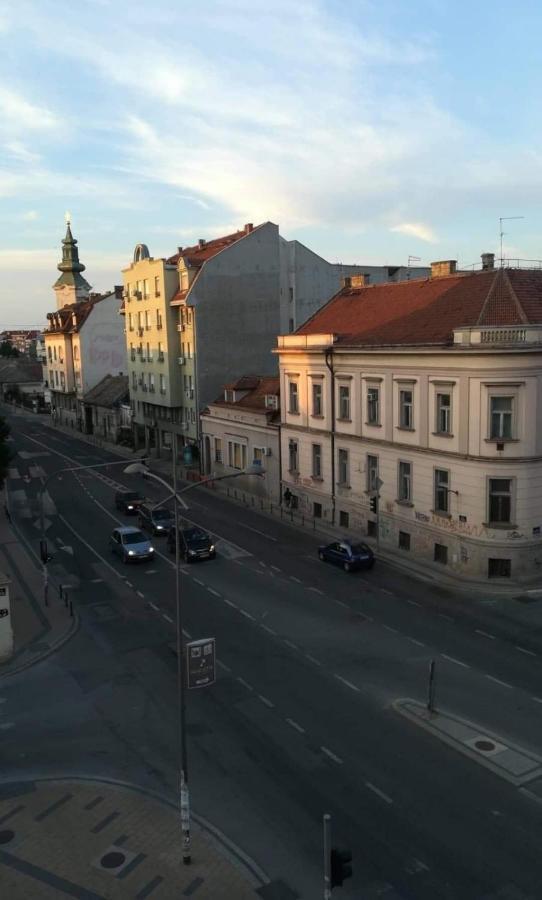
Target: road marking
{"x": 201, "y": 583}
{"x": 139, "y": 594}
{"x": 89, "y": 546}
{"x": 5, "y": 725}
{"x": 331, "y": 755}
{"x": 263, "y": 564}
{"x": 244, "y": 683}
{"x": 167, "y": 618}
{"x": 485, "y": 634}
{"x": 537, "y": 699}
{"x": 448, "y": 618}
{"x": 349, "y": 684}
{"x": 297, "y": 580}
{"x": 229, "y": 602}
{"x": 498, "y": 681}
{"x": 414, "y": 641}
{"x": 338, "y": 602}
{"x": 150, "y": 572}
{"x": 212, "y": 591}
{"x": 97, "y": 581}
{"x": 246, "y": 614}
{"x": 223, "y": 665}
{"x": 187, "y": 634}
{"x": 390, "y": 628}
{"x": 313, "y": 659}
{"x": 317, "y": 591}
{"x": 530, "y": 794}
{"x": 413, "y": 602}
{"x": 452, "y": 659}
{"x": 255, "y": 530}
{"x": 276, "y": 568}
{"x": 154, "y": 606}
{"x": 266, "y": 701}
{"x": 524, "y": 650}
{"x": 268, "y": 629}
{"x": 296, "y": 726}
{"x": 378, "y": 792}
{"x": 290, "y": 644}
{"x": 384, "y": 591}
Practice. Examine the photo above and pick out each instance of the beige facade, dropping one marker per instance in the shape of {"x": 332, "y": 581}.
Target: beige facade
{"x": 438, "y": 451}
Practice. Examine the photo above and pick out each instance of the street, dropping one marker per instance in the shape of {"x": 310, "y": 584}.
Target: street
{"x": 305, "y": 717}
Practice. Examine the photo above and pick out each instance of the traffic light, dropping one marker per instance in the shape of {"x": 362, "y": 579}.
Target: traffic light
{"x": 374, "y": 503}
{"x": 340, "y": 866}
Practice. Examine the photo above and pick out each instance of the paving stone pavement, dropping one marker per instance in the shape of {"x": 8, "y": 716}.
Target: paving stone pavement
{"x": 98, "y": 840}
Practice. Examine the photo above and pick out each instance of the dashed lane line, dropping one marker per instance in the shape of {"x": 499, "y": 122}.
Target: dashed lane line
{"x": 313, "y": 659}
{"x": 385, "y": 591}
{"x": 338, "y": 602}
{"x": 447, "y": 618}
{"x": 413, "y": 602}
{"x": 244, "y": 683}
{"x": 230, "y": 603}
{"x": 213, "y": 592}
{"x": 524, "y": 650}
{"x": 297, "y": 580}
{"x": 331, "y": 755}
{"x": 485, "y": 634}
{"x": 378, "y": 792}
{"x": 537, "y": 699}
{"x": 290, "y": 644}
{"x": 223, "y": 666}
{"x": 276, "y": 568}
{"x": 415, "y": 641}
{"x": 457, "y": 662}
{"x": 502, "y": 683}
{"x": 269, "y": 537}
{"x": 246, "y": 614}
{"x": 266, "y": 701}
{"x": 167, "y": 618}
{"x": 391, "y": 628}
{"x": 268, "y": 629}
{"x": 187, "y": 634}
{"x": 316, "y": 591}
{"x": 139, "y": 594}
{"x": 296, "y": 726}
{"x": 154, "y": 606}
{"x": 201, "y": 583}
{"x": 353, "y": 687}
{"x": 89, "y": 546}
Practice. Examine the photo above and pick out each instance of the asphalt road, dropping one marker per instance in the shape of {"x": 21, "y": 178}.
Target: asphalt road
{"x": 301, "y": 720}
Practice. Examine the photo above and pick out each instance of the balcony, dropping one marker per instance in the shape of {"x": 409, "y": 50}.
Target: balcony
{"x": 496, "y": 337}
{"x": 140, "y": 331}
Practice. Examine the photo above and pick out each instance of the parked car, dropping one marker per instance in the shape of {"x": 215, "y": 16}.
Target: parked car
{"x": 131, "y": 544}
{"x": 128, "y": 501}
{"x": 348, "y": 555}
{"x": 194, "y": 544}
{"x": 157, "y": 521}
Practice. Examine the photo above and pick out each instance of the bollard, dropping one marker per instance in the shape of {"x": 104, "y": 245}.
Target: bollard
{"x": 431, "y": 688}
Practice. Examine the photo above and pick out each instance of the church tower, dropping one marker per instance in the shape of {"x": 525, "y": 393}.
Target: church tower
{"x": 70, "y": 286}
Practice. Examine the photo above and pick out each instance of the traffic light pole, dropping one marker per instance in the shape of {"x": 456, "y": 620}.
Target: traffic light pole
{"x": 327, "y": 856}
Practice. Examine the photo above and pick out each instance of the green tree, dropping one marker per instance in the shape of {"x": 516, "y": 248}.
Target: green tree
{"x": 7, "y": 349}
{"x": 5, "y": 452}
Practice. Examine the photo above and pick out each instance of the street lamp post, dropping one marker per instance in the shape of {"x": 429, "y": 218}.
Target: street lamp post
{"x": 139, "y": 469}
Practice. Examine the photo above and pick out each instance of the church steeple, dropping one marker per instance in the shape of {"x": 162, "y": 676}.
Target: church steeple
{"x": 70, "y": 286}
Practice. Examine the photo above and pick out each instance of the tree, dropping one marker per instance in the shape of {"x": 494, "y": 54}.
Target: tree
{"x": 7, "y": 349}
{"x": 5, "y": 453}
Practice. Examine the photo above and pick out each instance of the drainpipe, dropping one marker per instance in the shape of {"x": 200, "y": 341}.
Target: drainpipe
{"x": 329, "y": 364}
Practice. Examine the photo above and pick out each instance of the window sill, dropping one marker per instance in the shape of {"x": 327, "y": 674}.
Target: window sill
{"x": 344, "y": 486}
{"x": 317, "y": 416}
{"x": 404, "y": 428}
{"x": 493, "y": 440}
{"x": 442, "y": 434}
{"x": 293, "y": 412}
{"x": 404, "y": 503}
{"x": 340, "y": 419}
{"x": 441, "y": 513}
{"x": 373, "y": 424}
{"x": 317, "y": 478}
{"x": 294, "y": 472}
{"x": 500, "y": 526}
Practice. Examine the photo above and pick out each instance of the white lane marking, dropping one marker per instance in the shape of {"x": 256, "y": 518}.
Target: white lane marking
{"x": 390, "y": 628}
{"x": 296, "y": 726}
{"x": 266, "y": 701}
{"x": 89, "y": 546}
{"x": 448, "y": 618}
{"x": 524, "y": 650}
{"x": 261, "y": 533}
{"x": 331, "y": 755}
{"x": 167, "y": 618}
{"x": 378, "y": 792}
{"x": 297, "y": 580}
{"x": 201, "y": 583}
{"x": 268, "y": 629}
{"x": 316, "y": 590}
{"x": 537, "y": 699}
{"x": 384, "y": 591}
{"x": 313, "y": 659}
{"x": 187, "y": 634}
{"x": 223, "y": 665}
{"x": 5, "y": 725}
{"x": 485, "y": 634}
{"x": 150, "y": 572}
{"x": 527, "y": 793}
{"x": 153, "y": 606}
{"x": 276, "y": 568}
{"x": 263, "y": 564}
{"x": 244, "y": 683}
{"x": 349, "y": 684}
{"x": 213, "y": 592}
{"x": 414, "y": 641}
{"x": 457, "y": 662}
{"x": 290, "y": 644}
{"x": 229, "y": 602}
{"x": 338, "y": 602}
{"x": 246, "y": 614}
{"x": 413, "y": 602}
{"x": 502, "y": 683}
{"x": 97, "y": 581}
{"x": 139, "y": 594}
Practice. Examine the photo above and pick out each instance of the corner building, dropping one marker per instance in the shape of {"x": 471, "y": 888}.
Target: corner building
{"x": 412, "y": 413}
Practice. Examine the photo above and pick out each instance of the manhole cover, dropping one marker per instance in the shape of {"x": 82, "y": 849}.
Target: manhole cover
{"x": 484, "y": 746}
{"x": 112, "y": 860}
{"x": 6, "y": 836}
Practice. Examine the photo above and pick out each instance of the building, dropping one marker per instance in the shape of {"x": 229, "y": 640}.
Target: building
{"x": 197, "y": 318}
{"x": 411, "y": 412}
{"x": 107, "y": 407}
{"x": 22, "y": 339}
{"x": 242, "y": 427}
{"x": 84, "y": 341}
{"x": 21, "y": 382}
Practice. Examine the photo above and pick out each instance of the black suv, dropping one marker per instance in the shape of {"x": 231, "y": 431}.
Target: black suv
{"x": 194, "y": 544}
{"x": 128, "y": 501}
{"x": 157, "y": 521}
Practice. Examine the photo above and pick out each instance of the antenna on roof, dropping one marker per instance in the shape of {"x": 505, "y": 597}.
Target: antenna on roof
{"x": 501, "y": 232}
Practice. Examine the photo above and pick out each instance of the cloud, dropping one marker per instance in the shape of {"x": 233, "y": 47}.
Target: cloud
{"x": 29, "y": 216}
{"x": 21, "y": 115}
{"x": 18, "y": 151}
{"x": 418, "y": 230}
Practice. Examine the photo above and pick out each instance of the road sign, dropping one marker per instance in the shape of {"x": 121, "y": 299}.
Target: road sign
{"x": 200, "y": 660}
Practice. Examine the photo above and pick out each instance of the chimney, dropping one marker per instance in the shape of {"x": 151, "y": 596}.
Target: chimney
{"x": 179, "y": 249}
{"x": 488, "y": 261}
{"x": 358, "y": 281}
{"x": 201, "y": 243}
{"x": 249, "y": 227}
{"x": 347, "y": 281}
{"x": 443, "y": 267}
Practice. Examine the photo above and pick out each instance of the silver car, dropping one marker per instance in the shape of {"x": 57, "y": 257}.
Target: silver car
{"x": 131, "y": 544}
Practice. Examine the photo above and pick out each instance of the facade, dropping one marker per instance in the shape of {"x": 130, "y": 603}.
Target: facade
{"x": 109, "y": 409}
{"x": 21, "y": 382}
{"x": 194, "y": 320}
{"x": 84, "y": 341}
{"x": 22, "y": 339}
{"x": 241, "y": 428}
{"x": 412, "y": 413}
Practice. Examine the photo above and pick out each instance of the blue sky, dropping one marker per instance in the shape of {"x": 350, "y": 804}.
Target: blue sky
{"x": 370, "y": 131}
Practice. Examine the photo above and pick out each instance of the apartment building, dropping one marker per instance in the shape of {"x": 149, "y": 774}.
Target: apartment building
{"x": 198, "y": 317}
{"x": 84, "y": 341}
{"x": 411, "y": 413}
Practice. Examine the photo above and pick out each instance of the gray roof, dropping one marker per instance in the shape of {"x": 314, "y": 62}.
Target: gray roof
{"x": 20, "y": 371}
{"x": 109, "y": 392}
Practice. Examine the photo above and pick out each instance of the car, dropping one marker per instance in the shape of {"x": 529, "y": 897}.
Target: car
{"x": 128, "y": 502}
{"x": 157, "y": 520}
{"x": 348, "y": 555}
{"x": 194, "y": 544}
{"x": 131, "y": 544}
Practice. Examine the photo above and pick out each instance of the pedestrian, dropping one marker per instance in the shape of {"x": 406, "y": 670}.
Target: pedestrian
{"x": 287, "y": 496}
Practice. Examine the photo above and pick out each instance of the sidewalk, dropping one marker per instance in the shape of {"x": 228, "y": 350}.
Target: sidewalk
{"x": 103, "y": 840}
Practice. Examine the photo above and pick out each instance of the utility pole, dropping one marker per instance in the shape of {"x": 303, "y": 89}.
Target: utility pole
{"x": 327, "y": 856}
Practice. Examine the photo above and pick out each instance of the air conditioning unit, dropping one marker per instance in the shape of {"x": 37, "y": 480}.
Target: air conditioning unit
{"x": 181, "y": 327}
{"x": 181, "y": 360}
{"x": 268, "y": 451}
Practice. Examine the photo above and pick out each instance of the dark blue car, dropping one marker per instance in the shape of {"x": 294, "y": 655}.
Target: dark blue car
{"x": 349, "y": 556}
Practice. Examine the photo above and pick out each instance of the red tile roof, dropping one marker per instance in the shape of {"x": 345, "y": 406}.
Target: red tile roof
{"x": 426, "y": 311}
{"x": 81, "y": 310}
{"x": 257, "y": 386}
{"x": 197, "y": 255}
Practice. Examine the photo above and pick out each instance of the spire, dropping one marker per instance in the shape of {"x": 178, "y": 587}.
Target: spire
{"x": 70, "y": 267}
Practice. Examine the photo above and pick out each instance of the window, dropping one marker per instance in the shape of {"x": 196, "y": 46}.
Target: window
{"x": 404, "y": 540}
{"x": 441, "y": 490}
{"x": 157, "y": 288}
{"x": 134, "y": 380}
{"x": 343, "y": 473}
{"x": 405, "y": 482}
{"x": 54, "y": 352}
{"x": 49, "y": 354}
{"x": 317, "y": 407}
{"x": 237, "y": 455}
{"x": 372, "y": 473}
{"x": 291, "y": 293}
{"x": 130, "y": 322}
{"x": 294, "y": 397}
{"x": 62, "y": 380}
{"x": 146, "y": 287}
{"x": 56, "y": 379}
{"x": 149, "y": 357}
{"x": 162, "y": 384}
{"x": 147, "y": 319}
{"x": 501, "y": 409}
{"x": 371, "y": 528}
{"x": 218, "y": 450}
{"x": 271, "y": 401}
{"x": 499, "y": 568}
{"x": 151, "y": 381}
{"x": 344, "y": 518}
{"x": 405, "y": 409}
{"x": 344, "y": 401}
{"x": 290, "y": 325}
{"x": 316, "y": 461}
{"x": 292, "y": 456}
{"x": 229, "y": 396}
{"x": 51, "y": 378}
{"x": 441, "y": 554}
{"x": 258, "y": 455}
{"x": 444, "y": 414}
{"x": 373, "y": 406}
{"x": 139, "y": 320}
{"x": 317, "y": 510}
{"x": 75, "y": 351}
{"x": 500, "y": 500}
{"x": 160, "y": 352}
{"x": 158, "y": 319}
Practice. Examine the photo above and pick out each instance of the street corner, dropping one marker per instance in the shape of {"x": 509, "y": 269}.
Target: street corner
{"x": 102, "y": 841}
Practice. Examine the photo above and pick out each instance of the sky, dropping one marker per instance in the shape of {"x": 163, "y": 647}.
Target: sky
{"x": 370, "y": 131}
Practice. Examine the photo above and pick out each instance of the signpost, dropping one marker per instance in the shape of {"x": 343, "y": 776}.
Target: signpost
{"x": 201, "y": 662}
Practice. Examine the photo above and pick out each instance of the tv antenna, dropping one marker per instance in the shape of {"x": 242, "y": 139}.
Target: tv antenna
{"x": 501, "y": 232}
